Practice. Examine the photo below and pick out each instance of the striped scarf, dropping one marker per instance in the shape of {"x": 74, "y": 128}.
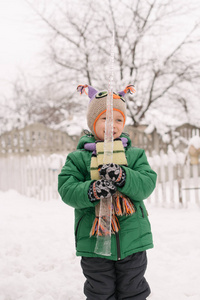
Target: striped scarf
{"x": 121, "y": 204}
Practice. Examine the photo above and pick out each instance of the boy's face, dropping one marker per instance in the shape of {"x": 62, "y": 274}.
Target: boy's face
{"x": 118, "y": 125}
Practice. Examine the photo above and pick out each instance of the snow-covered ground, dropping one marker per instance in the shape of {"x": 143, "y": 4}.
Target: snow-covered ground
{"x": 38, "y": 262}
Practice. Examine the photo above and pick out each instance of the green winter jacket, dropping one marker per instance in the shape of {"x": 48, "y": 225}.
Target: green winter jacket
{"x": 73, "y": 184}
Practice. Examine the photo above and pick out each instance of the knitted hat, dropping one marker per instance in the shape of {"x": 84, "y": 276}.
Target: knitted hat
{"x": 98, "y": 103}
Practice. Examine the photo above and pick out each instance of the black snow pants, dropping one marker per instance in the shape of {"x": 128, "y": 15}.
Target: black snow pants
{"x": 116, "y": 280}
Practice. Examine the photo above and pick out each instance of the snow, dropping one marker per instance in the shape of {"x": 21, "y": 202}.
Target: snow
{"x": 55, "y": 161}
{"x": 38, "y": 259}
{"x": 74, "y": 129}
{"x": 150, "y": 129}
{"x": 195, "y": 141}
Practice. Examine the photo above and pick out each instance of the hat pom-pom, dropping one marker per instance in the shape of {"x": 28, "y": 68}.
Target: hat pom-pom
{"x": 81, "y": 88}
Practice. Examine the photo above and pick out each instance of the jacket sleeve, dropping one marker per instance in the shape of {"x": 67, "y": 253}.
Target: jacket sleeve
{"x": 140, "y": 178}
{"x": 72, "y": 186}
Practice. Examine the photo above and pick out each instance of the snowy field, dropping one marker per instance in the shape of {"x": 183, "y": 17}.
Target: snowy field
{"x": 38, "y": 262}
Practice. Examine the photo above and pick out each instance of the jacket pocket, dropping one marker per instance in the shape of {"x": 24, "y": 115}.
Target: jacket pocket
{"x": 76, "y": 231}
{"x": 142, "y": 211}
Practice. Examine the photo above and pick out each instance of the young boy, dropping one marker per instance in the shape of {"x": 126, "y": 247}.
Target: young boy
{"x": 84, "y": 181}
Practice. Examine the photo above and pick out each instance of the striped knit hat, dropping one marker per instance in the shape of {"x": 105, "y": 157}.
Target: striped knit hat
{"x": 97, "y": 105}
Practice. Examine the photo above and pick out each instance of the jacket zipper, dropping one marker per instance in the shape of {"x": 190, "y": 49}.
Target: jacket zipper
{"x": 118, "y": 246}
{"x": 142, "y": 211}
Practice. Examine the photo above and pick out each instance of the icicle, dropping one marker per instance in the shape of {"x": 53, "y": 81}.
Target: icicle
{"x": 103, "y": 244}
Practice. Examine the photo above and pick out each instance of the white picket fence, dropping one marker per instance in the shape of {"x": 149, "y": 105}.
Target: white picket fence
{"x": 33, "y": 176}
{"x": 178, "y": 182}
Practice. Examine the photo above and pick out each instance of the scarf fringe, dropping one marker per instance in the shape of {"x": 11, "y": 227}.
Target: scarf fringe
{"x": 122, "y": 206}
{"x": 102, "y": 230}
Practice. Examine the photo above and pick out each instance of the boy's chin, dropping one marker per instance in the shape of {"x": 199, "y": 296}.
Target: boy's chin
{"x": 116, "y": 136}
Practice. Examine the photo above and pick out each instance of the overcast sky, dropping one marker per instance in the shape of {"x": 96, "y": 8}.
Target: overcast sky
{"x": 20, "y": 40}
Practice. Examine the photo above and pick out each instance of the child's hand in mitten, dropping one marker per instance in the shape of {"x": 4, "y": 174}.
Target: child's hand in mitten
{"x": 113, "y": 172}
{"x": 101, "y": 189}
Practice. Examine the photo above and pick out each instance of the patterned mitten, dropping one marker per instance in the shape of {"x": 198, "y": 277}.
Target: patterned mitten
{"x": 101, "y": 189}
{"x": 113, "y": 172}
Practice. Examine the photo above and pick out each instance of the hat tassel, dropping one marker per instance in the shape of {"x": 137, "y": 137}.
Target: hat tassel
{"x": 130, "y": 89}
{"x": 81, "y": 88}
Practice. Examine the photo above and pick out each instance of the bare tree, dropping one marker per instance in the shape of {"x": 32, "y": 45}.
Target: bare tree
{"x": 148, "y": 51}
{"x": 35, "y": 103}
